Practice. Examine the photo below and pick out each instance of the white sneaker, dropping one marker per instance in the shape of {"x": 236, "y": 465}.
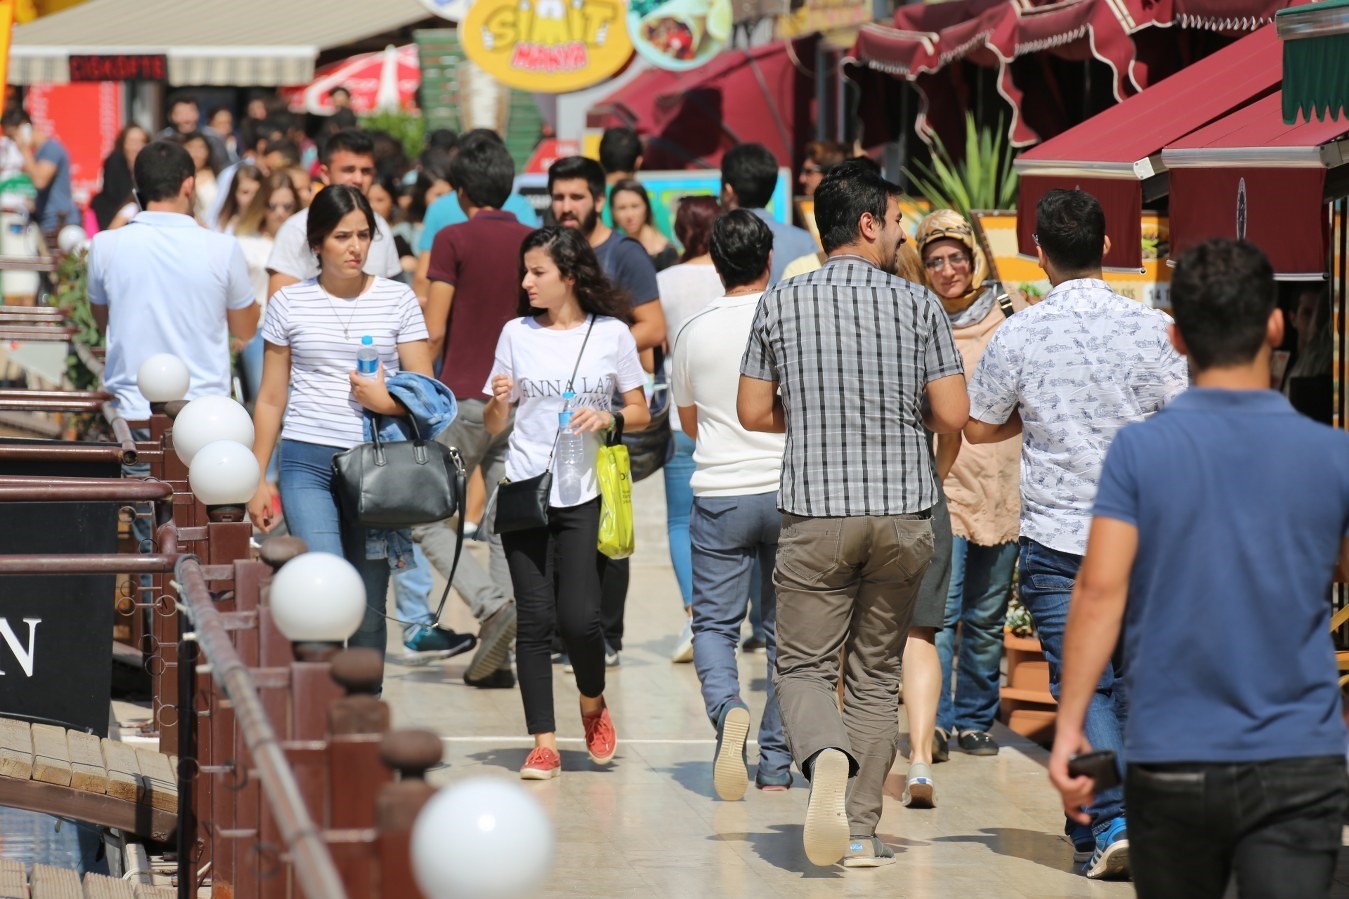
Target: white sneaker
{"x": 683, "y": 651}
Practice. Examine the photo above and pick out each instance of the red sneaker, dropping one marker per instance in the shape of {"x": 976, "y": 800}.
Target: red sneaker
{"x": 601, "y": 739}
{"x": 542, "y": 764}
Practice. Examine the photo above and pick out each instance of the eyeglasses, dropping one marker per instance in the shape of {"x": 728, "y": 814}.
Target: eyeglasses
{"x": 811, "y": 169}
{"x": 955, "y": 260}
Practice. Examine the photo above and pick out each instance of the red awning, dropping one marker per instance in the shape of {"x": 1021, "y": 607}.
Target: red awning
{"x": 1110, "y": 154}
{"x": 758, "y": 95}
{"x": 1249, "y": 175}
{"x": 992, "y": 33}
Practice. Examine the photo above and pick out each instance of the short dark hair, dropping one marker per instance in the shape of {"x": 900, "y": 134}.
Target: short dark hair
{"x": 14, "y": 117}
{"x": 741, "y": 244}
{"x": 575, "y": 259}
{"x": 350, "y": 140}
{"x": 1222, "y": 294}
{"x": 1070, "y": 228}
{"x": 217, "y": 110}
{"x": 183, "y": 99}
{"x": 849, "y": 190}
{"x": 483, "y": 169}
{"x": 435, "y": 163}
{"x": 327, "y": 210}
{"x": 752, "y": 172}
{"x": 442, "y": 139}
{"x": 619, "y": 150}
{"x": 481, "y": 134}
{"x": 341, "y": 87}
{"x": 161, "y": 169}
{"x": 286, "y": 147}
{"x": 573, "y": 167}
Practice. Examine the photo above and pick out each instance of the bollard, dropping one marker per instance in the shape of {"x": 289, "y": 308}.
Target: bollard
{"x": 411, "y": 753}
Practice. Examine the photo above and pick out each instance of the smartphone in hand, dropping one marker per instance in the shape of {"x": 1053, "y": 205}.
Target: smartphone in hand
{"x": 1100, "y": 766}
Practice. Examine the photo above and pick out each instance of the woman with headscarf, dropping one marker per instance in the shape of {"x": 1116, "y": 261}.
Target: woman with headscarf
{"x": 982, "y": 491}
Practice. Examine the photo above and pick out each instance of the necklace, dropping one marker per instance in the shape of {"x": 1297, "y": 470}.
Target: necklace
{"x": 346, "y": 328}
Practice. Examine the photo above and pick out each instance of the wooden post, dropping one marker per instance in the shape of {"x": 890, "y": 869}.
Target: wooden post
{"x": 411, "y": 753}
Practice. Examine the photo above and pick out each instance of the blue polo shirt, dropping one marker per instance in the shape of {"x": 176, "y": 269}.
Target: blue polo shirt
{"x": 167, "y": 283}
{"x": 1241, "y": 505}
{"x": 790, "y": 243}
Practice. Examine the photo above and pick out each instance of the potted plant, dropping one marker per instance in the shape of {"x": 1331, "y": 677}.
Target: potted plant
{"x": 1027, "y": 706}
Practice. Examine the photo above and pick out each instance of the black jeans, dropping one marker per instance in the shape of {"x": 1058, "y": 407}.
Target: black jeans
{"x": 614, "y": 577}
{"x": 1275, "y": 823}
{"x": 557, "y": 589}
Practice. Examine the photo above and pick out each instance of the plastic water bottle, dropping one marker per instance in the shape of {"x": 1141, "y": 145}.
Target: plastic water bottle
{"x": 367, "y": 358}
{"x": 570, "y": 454}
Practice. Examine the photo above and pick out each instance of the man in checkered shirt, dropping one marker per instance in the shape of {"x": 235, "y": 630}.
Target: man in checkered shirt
{"x": 852, "y": 363}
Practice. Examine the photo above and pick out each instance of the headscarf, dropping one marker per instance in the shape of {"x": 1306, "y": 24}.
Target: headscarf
{"x": 947, "y": 224}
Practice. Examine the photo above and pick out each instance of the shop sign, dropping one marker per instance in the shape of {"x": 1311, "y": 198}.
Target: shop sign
{"x": 680, "y": 34}
{"x": 119, "y": 67}
{"x": 548, "y": 46}
{"x": 824, "y": 15}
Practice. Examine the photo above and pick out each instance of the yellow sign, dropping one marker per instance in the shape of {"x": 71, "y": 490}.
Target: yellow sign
{"x": 550, "y": 46}
{"x": 1151, "y": 286}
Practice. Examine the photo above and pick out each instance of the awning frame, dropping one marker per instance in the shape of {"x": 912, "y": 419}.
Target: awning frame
{"x": 1328, "y": 156}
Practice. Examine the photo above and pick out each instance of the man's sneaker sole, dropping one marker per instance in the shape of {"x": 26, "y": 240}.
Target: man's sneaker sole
{"x": 729, "y": 775}
{"x": 494, "y": 645}
{"x": 1112, "y": 864}
{"x": 826, "y": 835}
{"x": 410, "y": 657}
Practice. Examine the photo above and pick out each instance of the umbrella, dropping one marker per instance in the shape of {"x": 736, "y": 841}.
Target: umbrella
{"x": 377, "y": 81}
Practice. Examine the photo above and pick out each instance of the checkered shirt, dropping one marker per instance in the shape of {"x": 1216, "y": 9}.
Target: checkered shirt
{"x": 852, "y": 350}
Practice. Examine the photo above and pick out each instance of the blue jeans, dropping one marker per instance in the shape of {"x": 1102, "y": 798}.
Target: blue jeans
{"x": 1047, "y": 577}
{"x": 678, "y": 502}
{"x": 313, "y": 515}
{"x": 250, "y": 366}
{"x": 412, "y": 594}
{"x": 731, "y": 536}
{"x": 981, "y": 577}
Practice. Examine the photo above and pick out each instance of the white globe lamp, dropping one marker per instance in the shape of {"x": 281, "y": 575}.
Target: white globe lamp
{"x": 483, "y": 838}
{"x": 224, "y": 475}
{"x": 72, "y": 238}
{"x": 163, "y": 378}
{"x": 206, "y": 420}
{"x": 317, "y": 597}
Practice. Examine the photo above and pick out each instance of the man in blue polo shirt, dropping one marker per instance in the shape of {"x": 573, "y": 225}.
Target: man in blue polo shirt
{"x": 1216, "y": 530}
{"x": 163, "y": 284}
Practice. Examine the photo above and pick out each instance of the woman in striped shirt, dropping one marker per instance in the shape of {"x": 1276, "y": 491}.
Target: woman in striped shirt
{"x": 312, "y": 332}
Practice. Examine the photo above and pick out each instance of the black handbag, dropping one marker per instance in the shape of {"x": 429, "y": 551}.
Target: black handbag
{"x": 523, "y": 505}
{"x": 650, "y": 448}
{"x": 392, "y": 485}
{"x": 386, "y": 485}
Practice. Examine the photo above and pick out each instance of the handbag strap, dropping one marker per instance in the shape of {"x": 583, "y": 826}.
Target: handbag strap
{"x": 461, "y": 482}
{"x": 570, "y": 381}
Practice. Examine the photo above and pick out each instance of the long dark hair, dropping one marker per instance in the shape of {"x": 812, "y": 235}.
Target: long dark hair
{"x": 575, "y": 259}
{"x": 633, "y": 186}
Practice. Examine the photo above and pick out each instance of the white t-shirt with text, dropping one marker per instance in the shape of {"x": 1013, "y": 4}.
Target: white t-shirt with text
{"x": 706, "y": 374}
{"x": 540, "y": 361}
{"x": 312, "y": 322}
{"x": 291, "y": 254}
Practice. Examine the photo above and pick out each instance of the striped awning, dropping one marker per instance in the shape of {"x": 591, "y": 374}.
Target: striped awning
{"x": 205, "y": 42}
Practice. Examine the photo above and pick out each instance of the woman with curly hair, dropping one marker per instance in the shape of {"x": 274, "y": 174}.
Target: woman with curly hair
{"x": 572, "y": 336}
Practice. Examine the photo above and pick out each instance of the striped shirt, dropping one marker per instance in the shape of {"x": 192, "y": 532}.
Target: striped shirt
{"x": 312, "y": 322}
{"x": 852, "y": 350}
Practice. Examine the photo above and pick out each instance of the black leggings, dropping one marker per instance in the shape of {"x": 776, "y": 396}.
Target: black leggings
{"x": 557, "y": 589}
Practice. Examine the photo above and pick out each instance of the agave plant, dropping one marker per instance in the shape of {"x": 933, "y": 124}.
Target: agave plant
{"x": 983, "y": 180}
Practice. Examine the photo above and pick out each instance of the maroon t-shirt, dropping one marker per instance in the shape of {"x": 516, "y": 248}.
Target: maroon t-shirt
{"x": 480, "y": 258}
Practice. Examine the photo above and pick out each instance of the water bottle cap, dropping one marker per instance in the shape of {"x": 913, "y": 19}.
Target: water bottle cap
{"x": 367, "y": 340}
{"x": 569, "y": 394}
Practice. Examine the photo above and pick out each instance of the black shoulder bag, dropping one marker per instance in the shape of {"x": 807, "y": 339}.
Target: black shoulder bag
{"x": 522, "y": 505}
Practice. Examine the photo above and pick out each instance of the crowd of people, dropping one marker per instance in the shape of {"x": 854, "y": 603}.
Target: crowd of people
{"x": 861, "y": 449}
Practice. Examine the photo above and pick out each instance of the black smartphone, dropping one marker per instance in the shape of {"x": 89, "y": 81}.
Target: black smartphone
{"x": 1100, "y": 766}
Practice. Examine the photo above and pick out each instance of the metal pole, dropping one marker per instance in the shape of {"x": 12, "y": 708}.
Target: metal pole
{"x": 315, "y": 871}
{"x": 187, "y": 749}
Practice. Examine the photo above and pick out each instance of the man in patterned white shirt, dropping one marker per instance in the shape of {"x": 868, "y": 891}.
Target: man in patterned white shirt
{"x": 1067, "y": 374}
